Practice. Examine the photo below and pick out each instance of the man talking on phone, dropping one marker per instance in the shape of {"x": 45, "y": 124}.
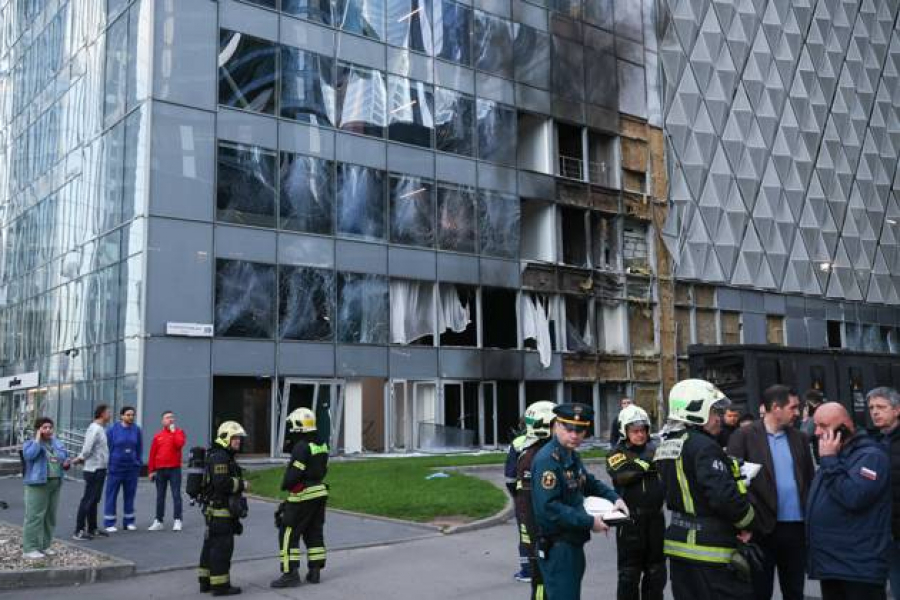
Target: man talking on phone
{"x": 849, "y": 510}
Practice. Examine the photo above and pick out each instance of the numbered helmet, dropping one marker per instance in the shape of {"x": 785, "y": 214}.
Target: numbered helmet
{"x": 633, "y": 416}
{"x": 691, "y": 400}
{"x": 538, "y": 418}
{"x": 301, "y": 420}
{"x": 229, "y": 430}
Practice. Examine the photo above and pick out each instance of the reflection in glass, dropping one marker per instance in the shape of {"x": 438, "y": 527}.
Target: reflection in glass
{"x": 412, "y": 211}
{"x": 454, "y": 118}
{"x": 568, "y": 69}
{"x": 456, "y": 218}
{"x": 306, "y": 304}
{"x": 493, "y": 44}
{"x": 307, "y": 86}
{"x": 116, "y": 71}
{"x": 532, "y": 56}
{"x": 307, "y": 194}
{"x": 246, "y": 72}
{"x": 599, "y": 13}
{"x": 245, "y": 299}
{"x": 601, "y": 85}
{"x": 409, "y": 25}
{"x": 496, "y": 132}
{"x": 363, "y": 17}
{"x": 570, "y": 8}
{"x": 411, "y": 112}
{"x": 453, "y": 32}
{"x": 362, "y": 308}
{"x": 313, "y": 10}
{"x": 498, "y": 224}
{"x": 360, "y": 201}
{"x": 245, "y": 189}
{"x": 361, "y": 100}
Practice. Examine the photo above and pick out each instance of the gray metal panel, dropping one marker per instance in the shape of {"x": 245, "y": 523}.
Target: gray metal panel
{"x": 774, "y": 304}
{"x": 494, "y": 177}
{"x": 534, "y": 371}
{"x": 243, "y": 357}
{"x": 502, "y": 364}
{"x": 815, "y": 308}
{"x": 306, "y": 139}
{"x": 309, "y": 250}
{"x": 752, "y": 301}
{"x": 628, "y": 19}
{"x": 362, "y": 361}
{"x": 886, "y": 315}
{"x": 307, "y": 35}
{"x": 795, "y": 332}
{"x": 457, "y": 268}
{"x": 184, "y": 50}
{"x": 728, "y": 298}
{"x": 867, "y": 314}
{"x": 410, "y": 64}
{"x": 460, "y": 363}
{"x": 602, "y": 119}
{"x": 361, "y": 150}
{"x": 455, "y": 169}
{"x": 358, "y": 50}
{"x": 630, "y": 51}
{"x": 536, "y": 185}
{"x": 248, "y": 19}
{"x": 300, "y": 359}
{"x": 412, "y": 263}
{"x": 834, "y": 311}
{"x": 851, "y": 312}
{"x": 632, "y": 89}
{"x": 795, "y": 306}
{"x": 499, "y": 273}
{"x": 247, "y": 128}
{"x": 495, "y": 88}
{"x": 179, "y": 273}
{"x": 412, "y": 161}
{"x": 817, "y": 332}
{"x": 361, "y": 257}
{"x": 413, "y": 362}
{"x": 454, "y": 77}
{"x": 498, "y": 7}
{"x": 753, "y": 327}
{"x": 533, "y": 99}
{"x": 244, "y": 243}
{"x": 568, "y": 110}
{"x": 529, "y": 14}
{"x": 182, "y": 163}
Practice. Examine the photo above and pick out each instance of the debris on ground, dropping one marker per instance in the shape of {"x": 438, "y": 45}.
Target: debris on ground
{"x": 67, "y": 555}
{"x": 438, "y": 475}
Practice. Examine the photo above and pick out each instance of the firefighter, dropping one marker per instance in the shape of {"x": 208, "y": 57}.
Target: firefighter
{"x": 509, "y": 471}
{"x": 639, "y": 544}
{"x": 711, "y": 515}
{"x": 538, "y": 421}
{"x": 557, "y": 496}
{"x": 303, "y": 513}
{"x": 224, "y": 507}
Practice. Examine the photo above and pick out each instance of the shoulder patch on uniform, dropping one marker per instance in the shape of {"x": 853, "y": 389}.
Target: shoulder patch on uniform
{"x": 616, "y": 459}
{"x": 548, "y": 480}
{"x": 669, "y": 449}
{"x": 220, "y": 469}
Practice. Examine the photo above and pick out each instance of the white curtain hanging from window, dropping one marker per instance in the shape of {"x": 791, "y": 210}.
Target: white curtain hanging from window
{"x": 452, "y": 313}
{"x": 536, "y": 326}
{"x": 412, "y": 310}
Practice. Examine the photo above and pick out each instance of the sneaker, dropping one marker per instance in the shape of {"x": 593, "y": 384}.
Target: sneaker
{"x": 99, "y": 533}
{"x": 176, "y": 526}
{"x": 523, "y": 576}
{"x": 131, "y": 527}
{"x": 82, "y": 536}
{"x": 111, "y": 529}
{"x": 50, "y": 552}
{"x": 157, "y": 526}
{"x": 33, "y": 555}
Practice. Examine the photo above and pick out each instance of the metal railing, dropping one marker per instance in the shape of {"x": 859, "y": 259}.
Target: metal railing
{"x": 71, "y": 440}
{"x": 571, "y": 167}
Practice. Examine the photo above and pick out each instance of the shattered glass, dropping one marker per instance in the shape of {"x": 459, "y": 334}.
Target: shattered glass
{"x": 531, "y": 49}
{"x": 360, "y": 201}
{"x": 246, "y": 185}
{"x": 568, "y": 69}
{"x": 412, "y": 211}
{"x": 456, "y": 218}
{"x": 498, "y": 224}
{"x": 307, "y": 194}
{"x": 307, "y": 87}
{"x": 454, "y": 117}
{"x": 497, "y": 125}
{"x": 362, "y": 308}
{"x": 306, "y": 304}
{"x": 493, "y": 44}
{"x": 246, "y": 72}
{"x": 411, "y": 112}
{"x": 245, "y": 299}
{"x": 579, "y": 336}
{"x": 361, "y": 100}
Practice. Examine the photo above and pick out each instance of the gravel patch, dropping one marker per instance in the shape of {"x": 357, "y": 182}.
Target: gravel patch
{"x": 66, "y": 555}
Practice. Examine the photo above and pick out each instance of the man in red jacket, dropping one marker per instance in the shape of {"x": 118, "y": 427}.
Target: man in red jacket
{"x": 164, "y": 467}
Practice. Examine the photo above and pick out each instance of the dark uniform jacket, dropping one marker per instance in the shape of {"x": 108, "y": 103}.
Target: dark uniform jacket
{"x": 524, "y": 511}
{"x": 708, "y": 503}
{"x": 304, "y": 476}
{"x": 559, "y": 485}
{"x": 636, "y": 478}
{"x": 891, "y": 443}
{"x": 225, "y": 481}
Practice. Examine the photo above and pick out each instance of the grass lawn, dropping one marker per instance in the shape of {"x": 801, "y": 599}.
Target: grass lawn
{"x": 396, "y": 487}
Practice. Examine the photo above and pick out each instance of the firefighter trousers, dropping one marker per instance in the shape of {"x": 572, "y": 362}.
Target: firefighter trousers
{"x": 698, "y": 581}
{"x": 641, "y": 562}
{"x": 307, "y": 520}
{"x": 215, "y": 558}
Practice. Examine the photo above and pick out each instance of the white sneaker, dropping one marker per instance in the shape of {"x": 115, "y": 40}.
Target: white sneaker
{"x": 33, "y": 555}
{"x": 50, "y": 552}
{"x": 111, "y": 529}
{"x": 157, "y": 526}
{"x": 131, "y": 527}
{"x": 177, "y": 525}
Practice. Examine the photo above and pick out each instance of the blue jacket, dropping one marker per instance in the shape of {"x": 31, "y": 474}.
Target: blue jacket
{"x": 848, "y": 514}
{"x": 36, "y": 460}
{"x": 125, "y": 448}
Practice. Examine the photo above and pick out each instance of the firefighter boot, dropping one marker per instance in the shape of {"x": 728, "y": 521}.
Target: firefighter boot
{"x": 290, "y": 579}
{"x": 313, "y": 576}
{"x": 226, "y": 591}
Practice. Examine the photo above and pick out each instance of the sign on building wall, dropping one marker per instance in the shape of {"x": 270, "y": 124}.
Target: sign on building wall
{"x": 204, "y": 330}
{"x": 23, "y": 381}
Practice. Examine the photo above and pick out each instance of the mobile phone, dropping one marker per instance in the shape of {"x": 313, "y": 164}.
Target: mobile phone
{"x": 844, "y": 431}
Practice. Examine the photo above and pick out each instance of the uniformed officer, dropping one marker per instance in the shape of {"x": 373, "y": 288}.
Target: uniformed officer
{"x": 639, "y": 544}
{"x": 560, "y": 486}
{"x": 303, "y": 513}
{"x": 538, "y": 423}
{"x": 710, "y": 510}
{"x": 223, "y": 487}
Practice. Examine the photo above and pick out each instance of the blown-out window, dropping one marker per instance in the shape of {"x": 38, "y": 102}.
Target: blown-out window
{"x": 245, "y": 191}
{"x": 412, "y": 211}
{"x": 307, "y": 194}
{"x": 306, "y": 304}
{"x": 360, "y": 202}
{"x": 498, "y": 224}
{"x": 456, "y": 218}
{"x": 246, "y": 72}
{"x": 362, "y": 308}
{"x": 245, "y": 299}
{"x": 497, "y": 125}
{"x": 454, "y": 122}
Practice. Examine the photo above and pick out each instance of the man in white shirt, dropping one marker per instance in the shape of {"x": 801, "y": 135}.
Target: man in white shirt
{"x": 95, "y": 457}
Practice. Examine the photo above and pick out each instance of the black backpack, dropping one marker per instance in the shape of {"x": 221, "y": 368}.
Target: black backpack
{"x": 195, "y": 487}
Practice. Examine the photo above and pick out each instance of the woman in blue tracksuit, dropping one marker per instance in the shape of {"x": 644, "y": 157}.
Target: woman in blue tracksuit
{"x": 125, "y": 452}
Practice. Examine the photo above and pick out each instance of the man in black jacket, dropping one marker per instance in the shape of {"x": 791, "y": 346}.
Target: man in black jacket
{"x": 884, "y": 408}
{"x": 779, "y": 491}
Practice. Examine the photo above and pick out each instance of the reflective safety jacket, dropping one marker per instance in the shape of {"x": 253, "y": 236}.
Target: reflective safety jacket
{"x": 305, "y": 474}
{"x": 224, "y": 480}
{"x": 524, "y": 511}
{"x": 636, "y": 478}
{"x": 706, "y": 496}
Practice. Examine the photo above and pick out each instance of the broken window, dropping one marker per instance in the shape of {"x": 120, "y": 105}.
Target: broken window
{"x": 499, "y": 322}
{"x": 604, "y": 241}
{"x": 574, "y": 236}
{"x": 854, "y": 336}
{"x": 306, "y": 304}
{"x": 360, "y": 201}
{"x": 568, "y": 68}
{"x": 454, "y": 122}
{"x": 312, "y": 10}
{"x": 453, "y": 32}
{"x": 731, "y": 327}
{"x": 775, "y": 329}
{"x": 409, "y": 25}
{"x": 362, "y": 308}
{"x": 496, "y": 132}
{"x": 246, "y": 72}
{"x": 579, "y": 332}
{"x": 307, "y": 194}
{"x": 411, "y": 113}
{"x": 498, "y": 223}
{"x": 611, "y": 322}
{"x": 834, "y": 334}
{"x": 538, "y": 231}
{"x": 532, "y": 56}
{"x": 537, "y": 326}
{"x": 571, "y": 151}
{"x": 362, "y": 17}
{"x": 635, "y": 250}
{"x": 361, "y": 99}
{"x": 412, "y": 311}
{"x": 307, "y": 86}
{"x": 534, "y": 150}
{"x": 456, "y": 218}
{"x": 457, "y": 315}
{"x": 412, "y": 211}
{"x": 245, "y": 190}
{"x": 603, "y": 166}
{"x": 245, "y": 299}
{"x": 641, "y": 328}
{"x": 493, "y": 44}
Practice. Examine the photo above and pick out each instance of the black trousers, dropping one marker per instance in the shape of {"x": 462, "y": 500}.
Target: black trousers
{"x": 836, "y": 589}
{"x": 87, "y": 508}
{"x": 302, "y": 520}
{"x": 697, "y": 581}
{"x": 785, "y": 550}
{"x": 641, "y": 562}
{"x": 168, "y": 477}
{"x": 218, "y": 547}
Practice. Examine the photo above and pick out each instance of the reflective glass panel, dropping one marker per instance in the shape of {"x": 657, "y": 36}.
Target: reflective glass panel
{"x": 601, "y": 85}
{"x": 116, "y": 71}
{"x": 245, "y": 299}
{"x": 412, "y": 211}
{"x": 493, "y": 44}
{"x": 496, "y": 132}
{"x": 363, "y": 17}
{"x": 456, "y": 218}
{"x": 454, "y": 122}
{"x": 362, "y": 308}
{"x": 313, "y": 10}
{"x": 409, "y": 25}
{"x": 498, "y": 224}
{"x": 360, "y": 196}
{"x": 361, "y": 100}
{"x": 532, "y": 56}
{"x": 246, "y": 72}
{"x": 453, "y": 32}
{"x": 307, "y": 86}
{"x": 568, "y": 69}
{"x": 411, "y": 111}
{"x": 600, "y": 13}
{"x": 245, "y": 190}
{"x": 306, "y": 304}
{"x": 307, "y": 194}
